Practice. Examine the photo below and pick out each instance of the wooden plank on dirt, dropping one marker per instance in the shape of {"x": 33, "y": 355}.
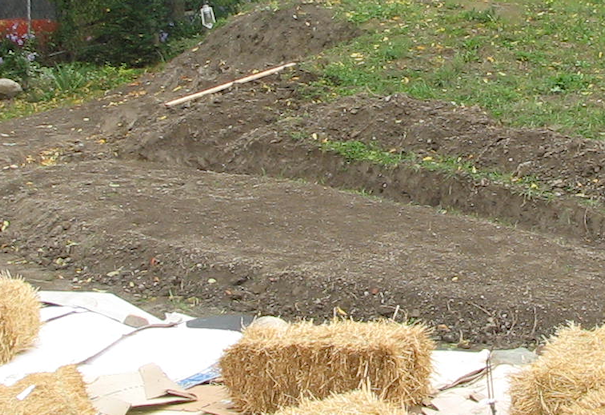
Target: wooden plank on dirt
{"x": 227, "y": 85}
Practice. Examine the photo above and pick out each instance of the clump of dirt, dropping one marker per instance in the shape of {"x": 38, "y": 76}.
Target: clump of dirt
{"x": 194, "y": 135}
{"x": 256, "y": 40}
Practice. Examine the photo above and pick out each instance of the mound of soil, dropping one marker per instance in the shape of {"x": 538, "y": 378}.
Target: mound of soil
{"x": 269, "y": 129}
{"x": 572, "y": 165}
{"x": 255, "y": 41}
{"x": 247, "y": 42}
{"x": 252, "y": 244}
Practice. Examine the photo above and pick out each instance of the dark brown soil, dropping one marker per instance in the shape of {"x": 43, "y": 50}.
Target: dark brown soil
{"x": 195, "y": 207}
{"x": 261, "y": 39}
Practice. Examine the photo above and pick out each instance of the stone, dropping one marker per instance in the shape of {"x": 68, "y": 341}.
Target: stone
{"x": 270, "y": 321}
{"x": 9, "y": 88}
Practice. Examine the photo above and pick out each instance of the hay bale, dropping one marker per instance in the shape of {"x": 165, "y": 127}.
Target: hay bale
{"x": 272, "y": 368}
{"x": 570, "y": 374}
{"x": 593, "y": 403}
{"x": 62, "y": 392}
{"x": 19, "y": 316}
{"x": 358, "y": 402}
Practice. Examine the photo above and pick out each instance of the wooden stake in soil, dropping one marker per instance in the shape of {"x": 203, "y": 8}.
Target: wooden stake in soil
{"x": 19, "y": 316}
{"x": 227, "y": 85}
{"x": 271, "y": 368}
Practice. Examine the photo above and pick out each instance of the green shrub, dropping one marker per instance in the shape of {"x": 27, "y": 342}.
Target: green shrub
{"x": 113, "y": 31}
{"x": 131, "y": 32}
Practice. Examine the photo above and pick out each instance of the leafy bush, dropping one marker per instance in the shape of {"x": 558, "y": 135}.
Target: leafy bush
{"x": 131, "y": 32}
{"x": 113, "y": 31}
{"x": 65, "y": 78}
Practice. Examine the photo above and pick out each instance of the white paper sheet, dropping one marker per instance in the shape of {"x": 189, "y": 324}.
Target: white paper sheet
{"x": 107, "y": 304}
{"x": 456, "y": 401}
{"x": 180, "y": 352}
{"x": 63, "y": 341}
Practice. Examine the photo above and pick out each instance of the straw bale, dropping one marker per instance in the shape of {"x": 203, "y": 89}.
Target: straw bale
{"x": 62, "y": 392}
{"x": 593, "y": 403}
{"x": 272, "y": 368}
{"x": 358, "y": 402}
{"x": 19, "y": 316}
{"x": 569, "y": 376}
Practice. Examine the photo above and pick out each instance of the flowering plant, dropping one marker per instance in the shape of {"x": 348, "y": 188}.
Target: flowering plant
{"x": 17, "y": 54}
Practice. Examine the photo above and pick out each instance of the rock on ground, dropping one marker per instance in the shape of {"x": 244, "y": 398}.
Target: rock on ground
{"x": 9, "y": 88}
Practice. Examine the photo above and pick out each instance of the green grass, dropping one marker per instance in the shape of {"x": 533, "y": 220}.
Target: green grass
{"x": 358, "y": 151}
{"x": 531, "y": 63}
{"x": 352, "y": 151}
{"x": 64, "y": 85}
{"x": 73, "y": 83}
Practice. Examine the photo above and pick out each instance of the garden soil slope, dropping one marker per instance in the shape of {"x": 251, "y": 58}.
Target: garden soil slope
{"x": 229, "y": 203}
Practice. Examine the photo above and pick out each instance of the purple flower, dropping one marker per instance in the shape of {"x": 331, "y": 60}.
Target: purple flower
{"x": 1, "y": 60}
{"x": 31, "y": 56}
{"x": 163, "y": 36}
{"x": 20, "y": 42}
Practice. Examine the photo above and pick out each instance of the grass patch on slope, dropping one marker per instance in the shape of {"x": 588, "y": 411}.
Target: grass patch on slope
{"x": 66, "y": 84}
{"x": 531, "y": 63}
{"x": 354, "y": 151}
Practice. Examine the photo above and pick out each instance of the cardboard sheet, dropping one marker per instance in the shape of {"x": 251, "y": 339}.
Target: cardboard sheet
{"x": 149, "y": 386}
{"x": 471, "y": 399}
{"x": 207, "y": 397}
{"x": 451, "y": 365}
{"x": 106, "y": 304}
{"x": 181, "y": 352}
{"x": 63, "y": 341}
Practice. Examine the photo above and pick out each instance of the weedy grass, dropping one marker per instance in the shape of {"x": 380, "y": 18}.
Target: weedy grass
{"x": 64, "y": 85}
{"x": 531, "y": 63}
{"x": 529, "y": 186}
{"x": 358, "y": 151}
